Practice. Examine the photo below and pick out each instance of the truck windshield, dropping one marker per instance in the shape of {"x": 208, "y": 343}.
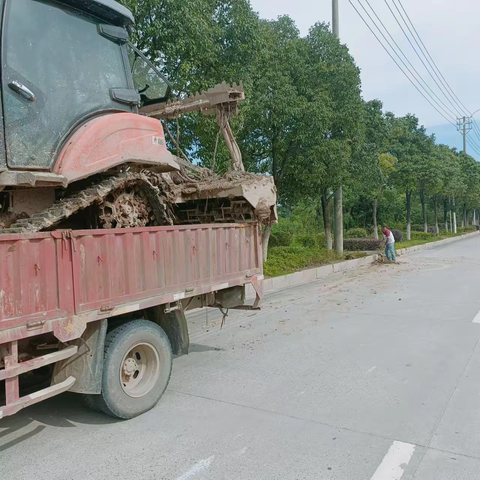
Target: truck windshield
{"x": 152, "y": 86}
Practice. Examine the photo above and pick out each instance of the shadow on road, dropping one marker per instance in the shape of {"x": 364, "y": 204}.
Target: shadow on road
{"x": 63, "y": 411}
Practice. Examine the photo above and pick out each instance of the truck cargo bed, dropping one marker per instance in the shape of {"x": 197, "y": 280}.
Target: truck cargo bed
{"x": 64, "y": 279}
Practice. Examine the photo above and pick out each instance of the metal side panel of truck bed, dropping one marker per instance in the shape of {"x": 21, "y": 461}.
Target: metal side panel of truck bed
{"x": 62, "y": 280}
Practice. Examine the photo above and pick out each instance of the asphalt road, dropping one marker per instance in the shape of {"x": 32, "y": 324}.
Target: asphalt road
{"x": 372, "y": 374}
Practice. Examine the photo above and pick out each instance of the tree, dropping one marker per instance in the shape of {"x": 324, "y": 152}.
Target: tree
{"x": 331, "y": 121}
{"x": 371, "y": 167}
{"x": 445, "y": 183}
{"x": 409, "y": 145}
{"x": 426, "y": 171}
{"x": 197, "y": 45}
{"x": 470, "y": 191}
{"x": 274, "y": 109}
{"x": 273, "y": 114}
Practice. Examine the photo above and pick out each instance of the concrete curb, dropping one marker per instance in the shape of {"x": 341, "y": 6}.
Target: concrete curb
{"x": 312, "y": 274}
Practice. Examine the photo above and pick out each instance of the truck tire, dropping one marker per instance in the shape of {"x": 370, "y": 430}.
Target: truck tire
{"x": 136, "y": 370}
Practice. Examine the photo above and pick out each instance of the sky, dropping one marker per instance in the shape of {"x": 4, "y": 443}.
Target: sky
{"x": 449, "y": 30}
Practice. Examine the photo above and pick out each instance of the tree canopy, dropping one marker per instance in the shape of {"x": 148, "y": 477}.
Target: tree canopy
{"x": 304, "y": 120}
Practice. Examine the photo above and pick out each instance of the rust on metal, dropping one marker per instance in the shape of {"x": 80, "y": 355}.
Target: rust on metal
{"x": 227, "y": 96}
{"x": 37, "y": 362}
{"x": 13, "y": 407}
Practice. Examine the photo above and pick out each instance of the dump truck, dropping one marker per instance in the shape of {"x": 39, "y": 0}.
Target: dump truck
{"x": 106, "y": 237}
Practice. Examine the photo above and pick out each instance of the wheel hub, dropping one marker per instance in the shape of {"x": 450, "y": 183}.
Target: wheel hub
{"x": 140, "y": 370}
{"x": 130, "y": 366}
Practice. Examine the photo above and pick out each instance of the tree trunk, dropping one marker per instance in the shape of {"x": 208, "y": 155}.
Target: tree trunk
{"x": 454, "y": 208}
{"x": 338, "y": 209}
{"x": 424, "y": 211}
{"x": 465, "y": 219}
{"x": 327, "y": 225}
{"x": 445, "y": 213}
{"x": 435, "y": 200}
{"x": 375, "y": 226}
{"x": 408, "y": 200}
{"x": 474, "y": 217}
{"x": 265, "y": 239}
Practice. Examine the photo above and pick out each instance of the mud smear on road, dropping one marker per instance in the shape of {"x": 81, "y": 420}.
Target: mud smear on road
{"x": 307, "y": 305}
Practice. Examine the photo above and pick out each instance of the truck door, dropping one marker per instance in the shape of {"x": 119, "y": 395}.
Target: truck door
{"x": 57, "y": 71}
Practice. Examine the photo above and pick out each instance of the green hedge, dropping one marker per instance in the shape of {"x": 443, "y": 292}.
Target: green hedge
{"x": 470, "y": 228}
{"x": 285, "y": 260}
{"x": 421, "y": 235}
{"x": 304, "y": 240}
{"x": 356, "y": 233}
{"x": 282, "y": 238}
{"x": 362, "y": 244}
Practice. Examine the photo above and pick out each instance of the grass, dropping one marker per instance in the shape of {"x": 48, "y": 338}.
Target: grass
{"x": 285, "y": 260}
{"x": 413, "y": 243}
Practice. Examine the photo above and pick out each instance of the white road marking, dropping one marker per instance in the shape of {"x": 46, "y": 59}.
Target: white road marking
{"x": 371, "y": 370}
{"x": 394, "y": 462}
{"x": 477, "y": 318}
{"x": 300, "y": 394}
{"x": 199, "y": 467}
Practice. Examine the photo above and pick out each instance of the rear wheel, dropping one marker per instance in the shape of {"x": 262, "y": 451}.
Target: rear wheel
{"x": 137, "y": 368}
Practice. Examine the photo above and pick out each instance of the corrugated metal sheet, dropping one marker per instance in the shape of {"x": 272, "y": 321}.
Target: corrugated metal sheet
{"x": 48, "y": 275}
{"x": 120, "y": 265}
{"x": 29, "y": 277}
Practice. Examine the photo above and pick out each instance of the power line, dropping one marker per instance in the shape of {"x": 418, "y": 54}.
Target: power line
{"x": 395, "y": 61}
{"x": 412, "y": 78}
{"x": 406, "y": 58}
{"x": 459, "y": 111}
{"x": 430, "y": 60}
{"x": 428, "y": 53}
{"x": 472, "y": 145}
{"x": 474, "y": 142}
{"x": 454, "y": 114}
{"x": 476, "y": 128}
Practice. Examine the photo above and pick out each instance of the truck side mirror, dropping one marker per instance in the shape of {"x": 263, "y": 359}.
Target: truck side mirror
{"x": 116, "y": 34}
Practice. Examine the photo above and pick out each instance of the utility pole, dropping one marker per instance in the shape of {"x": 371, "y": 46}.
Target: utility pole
{"x": 335, "y": 19}
{"x": 464, "y": 125}
{"x": 338, "y": 195}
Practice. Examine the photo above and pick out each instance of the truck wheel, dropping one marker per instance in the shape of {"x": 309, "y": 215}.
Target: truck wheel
{"x": 137, "y": 368}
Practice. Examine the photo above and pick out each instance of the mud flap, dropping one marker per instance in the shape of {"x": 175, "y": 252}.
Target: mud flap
{"x": 86, "y": 366}
{"x": 174, "y": 324}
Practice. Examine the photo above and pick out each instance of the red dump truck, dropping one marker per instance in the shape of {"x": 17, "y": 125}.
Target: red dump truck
{"x": 100, "y": 312}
